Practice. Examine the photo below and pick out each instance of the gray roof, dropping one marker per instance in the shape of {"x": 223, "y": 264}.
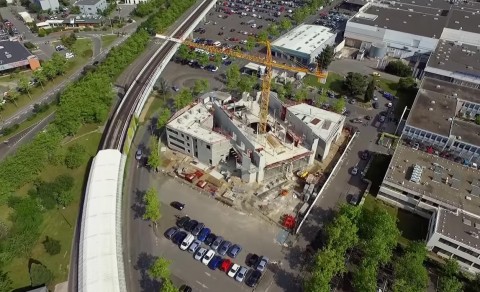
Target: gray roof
{"x": 12, "y": 51}
{"x": 455, "y": 57}
{"x": 460, "y": 227}
{"x": 87, "y": 2}
{"x": 451, "y": 89}
{"x": 464, "y": 20}
{"x": 468, "y": 131}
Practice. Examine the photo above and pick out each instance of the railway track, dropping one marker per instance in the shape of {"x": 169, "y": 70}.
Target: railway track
{"x": 117, "y": 127}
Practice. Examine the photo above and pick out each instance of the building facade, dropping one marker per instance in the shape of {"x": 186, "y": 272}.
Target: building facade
{"x": 48, "y": 4}
{"x": 92, "y": 7}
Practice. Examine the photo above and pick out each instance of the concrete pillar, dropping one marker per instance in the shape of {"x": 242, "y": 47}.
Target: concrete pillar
{"x": 311, "y": 159}
{"x": 261, "y": 168}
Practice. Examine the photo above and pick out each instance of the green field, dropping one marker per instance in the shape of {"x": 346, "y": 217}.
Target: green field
{"x": 107, "y": 40}
{"x": 334, "y": 82}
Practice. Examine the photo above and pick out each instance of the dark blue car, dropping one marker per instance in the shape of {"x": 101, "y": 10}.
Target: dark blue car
{"x": 203, "y": 234}
{"x": 215, "y": 262}
{"x": 234, "y": 250}
{"x": 179, "y": 237}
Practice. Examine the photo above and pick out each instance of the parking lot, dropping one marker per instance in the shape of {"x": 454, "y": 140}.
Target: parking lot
{"x": 254, "y": 235}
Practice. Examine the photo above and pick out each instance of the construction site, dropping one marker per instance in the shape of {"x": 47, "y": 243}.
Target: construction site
{"x": 216, "y": 145}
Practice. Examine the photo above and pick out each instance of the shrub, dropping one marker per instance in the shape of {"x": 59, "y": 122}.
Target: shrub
{"x": 52, "y": 246}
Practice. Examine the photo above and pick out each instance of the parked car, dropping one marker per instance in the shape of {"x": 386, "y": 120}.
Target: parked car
{"x": 354, "y": 199}
{"x": 179, "y": 237}
{"x": 198, "y": 228}
{"x": 138, "y": 154}
{"x": 203, "y": 234}
{"x": 381, "y": 118}
{"x": 354, "y": 170}
{"x": 194, "y": 246}
{"x": 215, "y": 262}
{"x": 208, "y": 257}
{"x": 356, "y": 121}
{"x": 177, "y": 205}
{"x": 187, "y": 241}
{"x": 262, "y": 264}
{"x": 252, "y": 281}
{"x": 224, "y": 247}
{"x": 365, "y": 155}
{"x": 185, "y": 288}
{"x": 190, "y": 225}
{"x": 183, "y": 221}
{"x": 171, "y": 232}
{"x": 210, "y": 239}
{"x": 233, "y": 270}
{"x": 175, "y": 88}
{"x": 200, "y": 253}
{"x": 252, "y": 260}
{"x": 216, "y": 243}
{"x": 375, "y": 105}
{"x": 234, "y": 250}
{"x": 241, "y": 274}
{"x": 225, "y": 266}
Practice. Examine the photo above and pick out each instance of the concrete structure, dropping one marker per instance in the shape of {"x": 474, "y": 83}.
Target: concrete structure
{"x": 100, "y": 264}
{"x": 412, "y": 28}
{"x": 220, "y": 130}
{"x": 92, "y": 7}
{"x": 48, "y": 4}
{"x": 14, "y": 55}
{"x": 455, "y": 62}
{"x": 303, "y": 43}
{"x": 83, "y": 20}
{"x": 27, "y": 18}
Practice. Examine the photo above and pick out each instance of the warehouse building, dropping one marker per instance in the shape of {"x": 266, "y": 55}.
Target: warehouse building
{"x": 303, "y": 43}
{"x": 92, "y": 7}
{"x": 14, "y": 55}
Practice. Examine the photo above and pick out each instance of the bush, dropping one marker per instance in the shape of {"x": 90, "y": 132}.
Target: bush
{"x": 42, "y": 32}
{"x": 75, "y": 156}
{"x": 9, "y": 130}
{"x": 52, "y": 246}
{"x": 29, "y": 45}
{"x": 40, "y": 275}
{"x": 398, "y": 68}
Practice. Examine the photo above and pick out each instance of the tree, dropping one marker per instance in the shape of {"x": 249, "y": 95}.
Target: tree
{"x": 299, "y": 15}
{"x": 324, "y": 268}
{"x": 183, "y": 98}
{"x": 281, "y": 92}
{"x": 325, "y": 58}
{"x": 160, "y": 269}
{"x": 355, "y": 83}
{"x": 262, "y": 36}
{"x": 285, "y": 24}
{"x": 301, "y": 95}
{"x": 250, "y": 43}
{"x": 407, "y": 83}
{"x": 288, "y": 89}
{"x": 365, "y": 278}
{"x": 40, "y": 77}
{"x": 200, "y": 86}
{"x": 24, "y": 85}
{"x": 370, "y": 92}
{"x": 12, "y": 96}
{"x": 167, "y": 286}
{"x": 75, "y": 10}
{"x": 273, "y": 30}
{"x": 163, "y": 117}
{"x": 246, "y": 83}
{"x": 40, "y": 275}
{"x": 322, "y": 99}
{"x": 202, "y": 58}
{"x": 233, "y": 77}
{"x": 154, "y": 157}
{"x": 449, "y": 281}
{"x": 409, "y": 272}
{"x": 398, "y": 68}
{"x": 52, "y": 246}
{"x": 217, "y": 59}
{"x": 75, "y": 156}
{"x": 161, "y": 86}
{"x": 5, "y": 282}
{"x": 184, "y": 52}
{"x": 339, "y": 105}
{"x": 152, "y": 206}
{"x": 69, "y": 41}
{"x": 59, "y": 63}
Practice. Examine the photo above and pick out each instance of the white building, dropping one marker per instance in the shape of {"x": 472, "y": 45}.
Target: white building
{"x": 48, "y": 4}
{"x": 92, "y": 7}
{"x": 303, "y": 43}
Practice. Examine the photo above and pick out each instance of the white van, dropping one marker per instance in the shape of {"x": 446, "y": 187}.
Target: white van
{"x": 187, "y": 241}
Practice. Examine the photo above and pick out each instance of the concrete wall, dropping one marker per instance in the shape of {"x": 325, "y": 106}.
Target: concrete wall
{"x": 93, "y": 9}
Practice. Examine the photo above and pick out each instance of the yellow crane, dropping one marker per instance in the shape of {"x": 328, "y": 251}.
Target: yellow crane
{"x": 267, "y": 61}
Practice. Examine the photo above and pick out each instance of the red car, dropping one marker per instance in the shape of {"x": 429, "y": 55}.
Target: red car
{"x": 226, "y": 265}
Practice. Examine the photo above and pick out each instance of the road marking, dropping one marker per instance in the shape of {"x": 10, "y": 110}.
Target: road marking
{"x": 201, "y": 284}
{"x": 208, "y": 274}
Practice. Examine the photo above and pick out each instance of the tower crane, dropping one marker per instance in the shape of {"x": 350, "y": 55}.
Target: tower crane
{"x": 267, "y": 61}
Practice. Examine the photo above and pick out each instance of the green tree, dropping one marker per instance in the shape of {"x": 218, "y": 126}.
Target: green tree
{"x": 40, "y": 275}
{"x": 184, "y": 52}
{"x": 152, "y": 206}
{"x": 233, "y": 77}
{"x": 52, "y": 246}
{"x": 161, "y": 86}
{"x": 285, "y": 24}
{"x": 339, "y": 105}
{"x": 5, "y": 282}
{"x": 281, "y": 92}
{"x": 154, "y": 157}
{"x": 273, "y": 30}
{"x": 217, "y": 59}
{"x": 325, "y": 58}
{"x": 64, "y": 198}
{"x": 183, "y": 98}
{"x": 167, "y": 286}
{"x": 365, "y": 278}
{"x": 407, "y": 83}
{"x": 202, "y": 59}
{"x": 3, "y": 230}
{"x": 262, "y": 36}
{"x": 288, "y": 89}
{"x": 12, "y": 96}
{"x": 160, "y": 269}
{"x": 40, "y": 77}
{"x": 450, "y": 284}
{"x": 299, "y": 15}
{"x": 355, "y": 83}
{"x": 301, "y": 95}
{"x": 75, "y": 10}
{"x": 246, "y": 83}
{"x": 250, "y": 43}
{"x": 200, "y": 86}
{"x": 370, "y": 92}
{"x": 163, "y": 117}
{"x": 324, "y": 268}
{"x": 24, "y": 85}
{"x": 398, "y": 68}
{"x": 409, "y": 272}
{"x": 75, "y": 156}
{"x": 322, "y": 99}
{"x": 59, "y": 64}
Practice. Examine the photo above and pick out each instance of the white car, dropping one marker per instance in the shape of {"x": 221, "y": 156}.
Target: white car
{"x": 200, "y": 253}
{"x": 208, "y": 257}
{"x": 217, "y": 44}
{"x": 254, "y": 25}
{"x": 389, "y": 105}
{"x": 241, "y": 274}
{"x": 354, "y": 170}
{"x": 224, "y": 57}
{"x": 233, "y": 270}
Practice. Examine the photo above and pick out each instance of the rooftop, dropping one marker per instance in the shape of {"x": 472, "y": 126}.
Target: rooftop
{"x": 441, "y": 179}
{"x": 459, "y": 227}
{"x": 13, "y": 51}
{"x": 197, "y": 121}
{"x": 431, "y": 111}
{"x": 451, "y": 89}
{"x": 468, "y": 132}
{"x": 87, "y": 2}
{"x": 441, "y": 4}
{"x": 320, "y": 121}
{"x": 464, "y": 20}
{"x": 83, "y": 19}
{"x": 304, "y": 38}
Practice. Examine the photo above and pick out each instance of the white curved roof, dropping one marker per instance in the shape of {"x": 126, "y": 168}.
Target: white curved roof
{"x": 100, "y": 253}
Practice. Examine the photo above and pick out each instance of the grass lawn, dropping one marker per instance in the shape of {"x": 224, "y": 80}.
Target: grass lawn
{"x": 334, "y": 82}
{"x": 107, "y": 40}
{"x": 377, "y": 170}
{"x": 58, "y": 223}
{"x": 83, "y": 52}
{"x": 412, "y": 227}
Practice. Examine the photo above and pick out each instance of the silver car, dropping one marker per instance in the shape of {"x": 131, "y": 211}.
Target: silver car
{"x": 200, "y": 253}
{"x": 262, "y": 264}
{"x": 217, "y": 242}
{"x": 241, "y": 274}
{"x": 194, "y": 246}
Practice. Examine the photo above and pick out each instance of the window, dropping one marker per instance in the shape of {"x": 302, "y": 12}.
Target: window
{"x": 210, "y": 161}
{"x": 449, "y": 243}
{"x": 208, "y": 147}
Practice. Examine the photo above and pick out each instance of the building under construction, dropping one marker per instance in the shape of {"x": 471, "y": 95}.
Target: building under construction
{"x": 218, "y": 129}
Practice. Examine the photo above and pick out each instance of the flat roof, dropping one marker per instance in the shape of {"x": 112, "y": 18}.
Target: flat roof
{"x": 460, "y": 227}
{"x": 99, "y": 246}
{"x": 442, "y": 4}
{"x": 431, "y": 111}
{"x": 455, "y": 180}
{"x": 305, "y": 38}
{"x": 87, "y": 2}
{"x": 320, "y": 121}
{"x": 13, "y": 51}
{"x": 468, "y": 132}
{"x": 458, "y": 58}
{"x": 197, "y": 122}
{"x": 451, "y": 89}
{"x": 464, "y": 20}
